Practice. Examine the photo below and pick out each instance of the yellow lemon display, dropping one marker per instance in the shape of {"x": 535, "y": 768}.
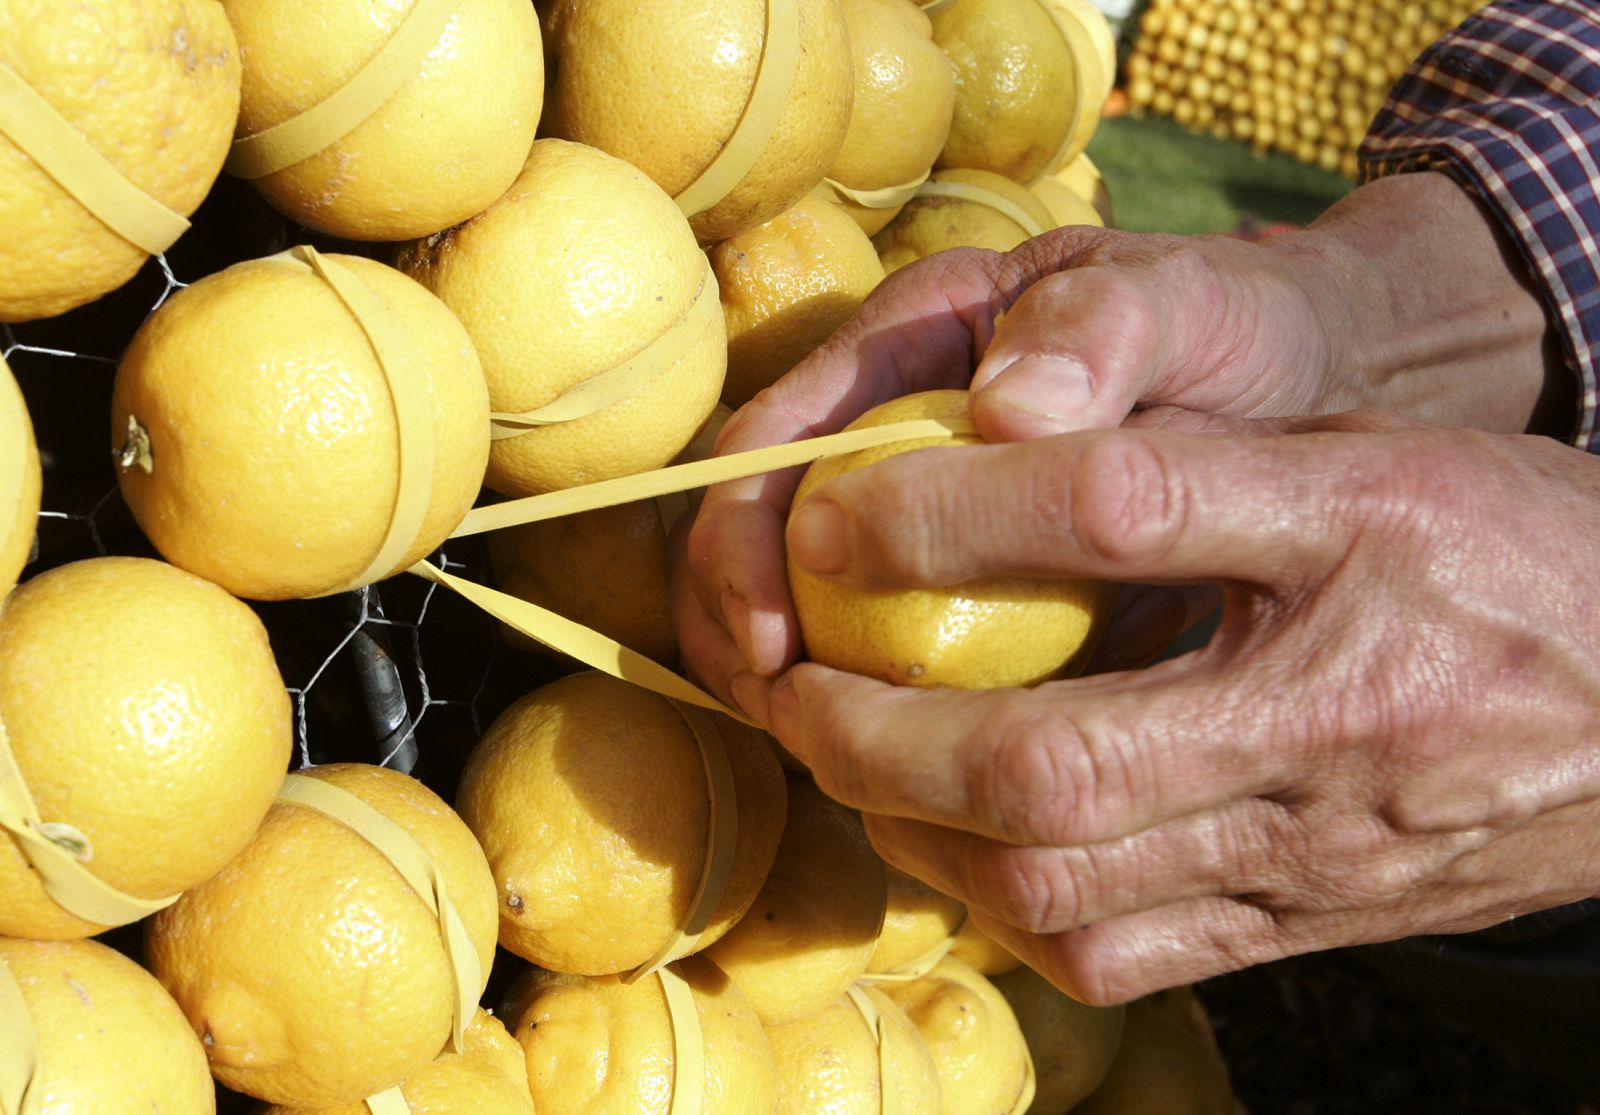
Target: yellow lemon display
{"x": 840, "y": 1061}
{"x": 811, "y": 930}
{"x": 1072, "y": 1044}
{"x": 130, "y": 106}
{"x": 259, "y": 434}
{"x": 584, "y": 277}
{"x": 985, "y": 633}
{"x": 487, "y": 1077}
{"x": 962, "y": 209}
{"x": 595, "y": 1045}
{"x": 905, "y": 94}
{"x": 145, "y": 712}
{"x": 106, "y": 1037}
{"x": 20, "y": 481}
{"x": 785, "y": 286}
{"x": 312, "y": 970}
{"x": 590, "y": 798}
{"x": 460, "y": 88}
{"x": 736, "y": 109}
{"x": 917, "y": 921}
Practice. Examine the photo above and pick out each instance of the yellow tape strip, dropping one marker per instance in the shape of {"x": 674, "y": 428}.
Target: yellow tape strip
{"x": 889, "y": 1090}
{"x": 696, "y": 474}
{"x": 769, "y": 95}
{"x": 1030, "y": 1085}
{"x": 19, "y": 1049}
{"x": 885, "y": 197}
{"x": 59, "y": 853}
{"x": 931, "y": 6}
{"x": 913, "y": 969}
{"x": 390, "y": 1102}
{"x": 722, "y": 836}
{"x": 965, "y": 191}
{"x": 330, "y": 120}
{"x": 61, "y": 151}
{"x": 401, "y": 849}
{"x": 615, "y": 384}
{"x": 1080, "y": 79}
{"x": 408, "y": 393}
{"x": 688, "y": 1046}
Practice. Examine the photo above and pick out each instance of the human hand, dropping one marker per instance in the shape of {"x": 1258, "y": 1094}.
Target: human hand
{"x": 1396, "y": 729}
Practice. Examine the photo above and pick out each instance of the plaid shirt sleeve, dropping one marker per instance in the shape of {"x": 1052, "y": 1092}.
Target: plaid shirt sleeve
{"x": 1508, "y": 104}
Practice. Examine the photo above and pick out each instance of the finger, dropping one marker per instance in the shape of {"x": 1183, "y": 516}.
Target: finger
{"x": 1148, "y": 620}
{"x": 1065, "y": 763}
{"x": 733, "y": 563}
{"x": 1124, "y": 505}
{"x": 710, "y": 656}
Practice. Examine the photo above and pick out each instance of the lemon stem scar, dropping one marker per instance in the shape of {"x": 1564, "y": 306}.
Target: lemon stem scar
{"x": 135, "y": 451}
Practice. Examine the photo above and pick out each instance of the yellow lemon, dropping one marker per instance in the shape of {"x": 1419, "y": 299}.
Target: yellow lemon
{"x": 583, "y": 268}
{"x": 487, "y": 1077}
{"x": 832, "y": 1062}
{"x": 1093, "y": 48}
{"x": 1164, "y": 1064}
{"x": 977, "y": 949}
{"x": 589, "y": 796}
{"x": 145, "y": 709}
{"x": 1072, "y": 1044}
{"x": 1066, "y": 206}
{"x": 109, "y": 1039}
{"x": 1083, "y": 178}
{"x": 440, "y": 148}
{"x": 962, "y": 209}
{"x": 917, "y": 921}
{"x": 986, "y": 633}
{"x": 811, "y": 930}
{"x": 905, "y": 93}
{"x": 978, "y": 1049}
{"x": 152, "y": 86}
{"x": 257, "y": 430}
{"x": 669, "y": 86}
{"x": 597, "y": 1046}
{"x": 785, "y": 286}
{"x": 20, "y": 481}
{"x": 313, "y": 972}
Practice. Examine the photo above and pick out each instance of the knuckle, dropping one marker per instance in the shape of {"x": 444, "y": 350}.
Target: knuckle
{"x": 1024, "y": 889}
{"x": 1032, "y": 783}
{"x": 1128, "y": 502}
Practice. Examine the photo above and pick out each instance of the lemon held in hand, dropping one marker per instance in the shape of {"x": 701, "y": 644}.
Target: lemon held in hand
{"x": 986, "y": 633}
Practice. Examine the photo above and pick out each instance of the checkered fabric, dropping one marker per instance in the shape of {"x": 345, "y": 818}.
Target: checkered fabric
{"x": 1508, "y": 104}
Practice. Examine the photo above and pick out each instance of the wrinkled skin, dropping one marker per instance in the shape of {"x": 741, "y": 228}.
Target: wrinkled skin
{"x": 1396, "y": 728}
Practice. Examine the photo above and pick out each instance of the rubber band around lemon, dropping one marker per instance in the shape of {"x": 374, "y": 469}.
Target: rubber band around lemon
{"x": 19, "y": 1051}
{"x": 416, "y": 867}
{"x": 1080, "y": 81}
{"x": 769, "y": 96}
{"x": 61, "y": 151}
{"x": 346, "y": 108}
{"x": 889, "y": 1091}
{"x": 977, "y": 195}
{"x": 884, "y": 197}
{"x": 688, "y": 1045}
{"x": 391, "y": 1101}
{"x": 915, "y": 968}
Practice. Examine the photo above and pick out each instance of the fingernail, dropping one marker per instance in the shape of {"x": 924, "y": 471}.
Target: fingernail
{"x": 1051, "y": 386}
{"x": 750, "y": 694}
{"x": 819, "y": 537}
{"x": 783, "y": 715}
{"x": 1146, "y": 627}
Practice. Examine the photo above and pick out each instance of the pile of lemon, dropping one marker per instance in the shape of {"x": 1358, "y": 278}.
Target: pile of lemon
{"x": 558, "y": 242}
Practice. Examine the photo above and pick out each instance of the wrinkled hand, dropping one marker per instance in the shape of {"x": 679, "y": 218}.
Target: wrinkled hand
{"x": 1396, "y": 729}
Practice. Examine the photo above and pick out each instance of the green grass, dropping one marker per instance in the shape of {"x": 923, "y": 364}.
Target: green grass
{"x": 1164, "y": 178}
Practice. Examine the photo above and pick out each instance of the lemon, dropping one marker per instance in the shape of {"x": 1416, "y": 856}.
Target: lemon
{"x": 311, "y": 969}
{"x": 582, "y": 266}
{"x": 20, "y": 481}
{"x": 905, "y": 94}
{"x": 145, "y": 709}
{"x": 270, "y": 451}
{"x": 664, "y": 85}
{"x": 440, "y": 149}
{"x": 785, "y": 286}
{"x": 589, "y": 796}
{"x": 1163, "y": 1064}
{"x": 109, "y": 1039}
{"x": 918, "y": 919}
{"x": 1083, "y": 178}
{"x": 1093, "y": 48}
{"x": 153, "y": 86}
{"x": 487, "y": 1077}
{"x": 985, "y": 633}
{"x": 977, "y": 949}
{"x": 1072, "y": 1044}
{"x": 811, "y": 930}
{"x": 978, "y": 1049}
{"x": 597, "y": 1046}
{"x": 829, "y": 1062}
{"x": 1016, "y": 86}
{"x": 993, "y": 212}
{"x": 1066, "y": 206}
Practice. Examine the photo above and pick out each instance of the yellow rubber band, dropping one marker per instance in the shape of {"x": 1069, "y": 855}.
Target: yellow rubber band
{"x": 1030, "y": 1085}
{"x": 331, "y": 119}
{"x": 1080, "y": 80}
{"x": 769, "y": 96}
{"x": 913, "y": 969}
{"x": 59, "y": 853}
{"x": 61, "y": 151}
{"x": 965, "y": 191}
{"x": 638, "y": 371}
{"x": 722, "y": 837}
{"x": 408, "y": 394}
{"x": 409, "y": 858}
{"x": 885, "y": 197}
{"x": 688, "y": 1046}
{"x": 889, "y": 1091}
{"x": 389, "y": 1102}
{"x": 19, "y": 1049}
{"x": 931, "y": 6}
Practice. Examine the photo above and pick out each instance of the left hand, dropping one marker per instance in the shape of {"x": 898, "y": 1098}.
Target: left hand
{"x": 1395, "y": 731}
